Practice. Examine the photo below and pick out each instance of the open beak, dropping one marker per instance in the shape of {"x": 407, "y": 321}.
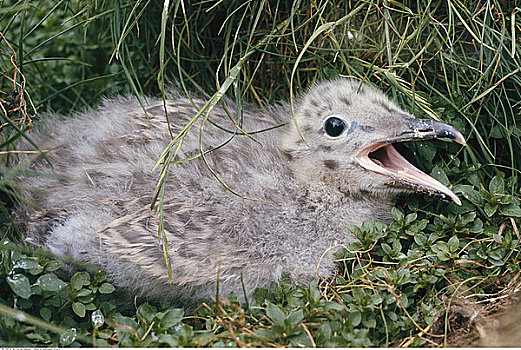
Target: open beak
{"x": 382, "y": 158}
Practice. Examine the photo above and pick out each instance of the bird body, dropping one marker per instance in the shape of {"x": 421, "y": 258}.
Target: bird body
{"x": 296, "y": 188}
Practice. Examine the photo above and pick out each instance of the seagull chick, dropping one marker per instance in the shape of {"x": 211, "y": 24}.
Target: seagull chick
{"x": 296, "y": 187}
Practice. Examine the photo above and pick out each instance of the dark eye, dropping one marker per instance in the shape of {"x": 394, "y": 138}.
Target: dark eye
{"x": 334, "y": 126}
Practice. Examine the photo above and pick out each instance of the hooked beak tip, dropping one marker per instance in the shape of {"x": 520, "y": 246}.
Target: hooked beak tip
{"x": 457, "y": 201}
{"x": 441, "y": 129}
{"x": 460, "y": 139}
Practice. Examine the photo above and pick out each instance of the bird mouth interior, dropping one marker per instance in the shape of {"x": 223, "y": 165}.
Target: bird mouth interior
{"x": 383, "y": 158}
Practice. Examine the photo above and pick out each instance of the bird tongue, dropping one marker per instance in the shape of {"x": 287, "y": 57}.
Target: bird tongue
{"x": 386, "y": 160}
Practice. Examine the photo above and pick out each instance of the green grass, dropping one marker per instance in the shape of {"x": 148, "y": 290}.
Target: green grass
{"x": 456, "y": 61}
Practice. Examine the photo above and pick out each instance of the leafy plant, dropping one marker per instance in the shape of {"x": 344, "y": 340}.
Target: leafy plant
{"x": 456, "y": 61}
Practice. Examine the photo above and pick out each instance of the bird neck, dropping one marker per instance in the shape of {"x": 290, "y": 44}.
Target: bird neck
{"x": 343, "y": 208}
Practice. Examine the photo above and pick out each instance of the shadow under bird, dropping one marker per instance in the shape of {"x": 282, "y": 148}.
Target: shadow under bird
{"x": 338, "y": 167}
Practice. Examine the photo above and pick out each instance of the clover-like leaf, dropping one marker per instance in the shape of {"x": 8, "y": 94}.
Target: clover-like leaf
{"x": 106, "y": 288}
{"x": 440, "y": 175}
{"x": 397, "y": 214}
{"x": 45, "y": 313}
{"x": 354, "y": 318}
{"x": 453, "y": 243}
{"x": 80, "y": 279}
{"x": 52, "y": 265}
{"x": 296, "y": 317}
{"x": 469, "y": 193}
{"x": 490, "y": 209}
{"x": 20, "y": 285}
{"x": 171, "y": 318}
{"x": 497, "y": 185}
{"x": 79, "y": 309}
{"x": 275, "y": 313}
{"x": 511, "y": 210}
{"x": 27, "y": 264}
{"x": 50, "y": 282}
{"x": 145, "y": 313}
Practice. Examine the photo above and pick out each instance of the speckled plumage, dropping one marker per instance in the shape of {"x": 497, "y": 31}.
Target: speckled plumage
{"x": 307, "y": 190}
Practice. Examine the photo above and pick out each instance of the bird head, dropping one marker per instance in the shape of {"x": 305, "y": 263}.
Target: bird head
{"x": 343, "y": 139}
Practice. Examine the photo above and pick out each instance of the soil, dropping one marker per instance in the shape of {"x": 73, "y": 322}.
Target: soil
{"x": 493, "y": 322}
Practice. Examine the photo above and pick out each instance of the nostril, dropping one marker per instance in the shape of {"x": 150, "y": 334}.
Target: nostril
{"x": 426, "y": 130}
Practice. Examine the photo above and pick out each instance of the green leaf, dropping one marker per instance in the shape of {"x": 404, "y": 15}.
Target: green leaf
{"x": 79, "y": 280}
{"x": 50, "y": 282}
{"x": 169, "y": 340}
{"x": 324, "y": 333}
{"x": 26, "y": 303}
{"x": 410, "y": 218}
{"x": 392, "y": 315}
{"x": 52, "y": 265}
{"x": 370, "y": 323}
{"x": 442, "y": 250}
{"x": 87, "y": 298}
{"x": 27, "y": 264}
{"x": 90, "y": 306}
{"x": 84, "y": 292}
{"x": 387, "y": 249}
{"x": 301, "y": 340}
{"x": 506, "y": 199}
{"x": 497, "y": 185}
{"x": 282, "y": 286}
{"x": 171, "y": 318}
{"x": 440, "y": 175}
{"x": 496, "y": 257}
{"x": 145, "y": 313}
{"x": 465, "y": 219}
{"x": 79, "y": 309}
{"x": 497, "y": 132}
{"x": 426, "y": 150}
{"x": 453, "y": 243}
{"x": 477, "y": 227}
{"x": 397, "y": 214}
{"x": 275, "y": 313}
{"x": 266, "y": 334}
{"x": 296, "y": 317}
{"x": 469, "y": 193}
{"x": 376, "y": 299}
{"x": 315, "y": 293}
{"x": 100, "y": 276}
{"x": 20, "y": 285}
{"x": 354, "y": 318}
{"x": 489, "y": 209}
{"x": 404, "y": 300}
{"x": 126, "y": 321}
{"x": 485, "y": 194}
{"x": 262, "y": 294}
{"x": 420, "y": 239}
{"x": 332, "y": 306}
{"x": 510, "y": 210}
{"x": 106, "y": 288}
{"x": 45, "y": 313}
